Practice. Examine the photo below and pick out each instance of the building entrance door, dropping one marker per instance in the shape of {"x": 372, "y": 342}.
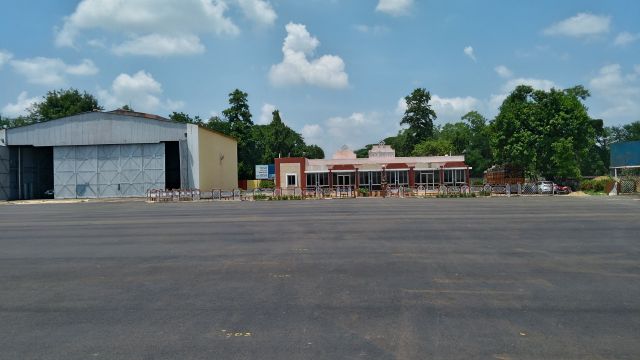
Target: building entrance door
{"x": 428, "y": 179}
{"x": 344, "y": 180}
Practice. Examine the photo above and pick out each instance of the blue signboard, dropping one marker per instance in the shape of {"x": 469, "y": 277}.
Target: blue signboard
{"x": 625, "y": 154}
{"x": 265, "y": 172}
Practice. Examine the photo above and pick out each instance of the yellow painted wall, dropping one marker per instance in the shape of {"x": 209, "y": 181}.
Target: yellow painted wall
{"x": 253, "y": 184}
{"x": 218, "y": 155}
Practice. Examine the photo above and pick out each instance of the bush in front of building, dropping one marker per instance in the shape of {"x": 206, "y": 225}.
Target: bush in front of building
{"x": 595, "y": 185}
{"x": 266, "y": 184}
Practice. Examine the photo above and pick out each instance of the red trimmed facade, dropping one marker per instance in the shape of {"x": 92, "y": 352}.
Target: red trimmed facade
{"x": 345, "y": 170}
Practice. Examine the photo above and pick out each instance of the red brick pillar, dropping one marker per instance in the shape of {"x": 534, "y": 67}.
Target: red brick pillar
{"x": 412, "y": 178}
{"x": 466, "y": 174}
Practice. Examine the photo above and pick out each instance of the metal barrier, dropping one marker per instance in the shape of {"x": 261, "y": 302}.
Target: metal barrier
{"x": 166, "y": 195}
{"x": 629, "y": 185}
{"x": 525, "y": 189}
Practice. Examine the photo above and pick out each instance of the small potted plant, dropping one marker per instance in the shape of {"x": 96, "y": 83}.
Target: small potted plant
{"x": 364, "y": 192}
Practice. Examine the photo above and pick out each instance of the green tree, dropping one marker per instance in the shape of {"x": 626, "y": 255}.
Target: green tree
{"x": 280, "y": 140}
{"x": 419, "y": 116}
{"x": 544, "y": 132}
{"x": 402, "y": 143}
{"x": 458, "y": 135}
{"x": 60, "y": 103}
{"x": 218, "y": 124}
{"x": 596, "y": 161}
{"x": 313, "y": 152}
{"x": 14, "y": 122}
{"x": 478, "y": 153}
{"x": 364, "y": 152}
{"x": 627, "y": 132}
{"x": 240, "y": 126}
{"x": 185, "y": 118}
{"x": 433, "y": 147}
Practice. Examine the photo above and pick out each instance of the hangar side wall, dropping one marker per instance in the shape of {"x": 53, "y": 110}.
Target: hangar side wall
{"x": 104, "y": 171}
{"x": 218, "y": 161}
{"x": 4, "y": 173}
{"x": 192, "y": 157}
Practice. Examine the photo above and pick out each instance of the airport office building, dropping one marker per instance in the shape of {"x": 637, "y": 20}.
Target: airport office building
{"x": 112, "y": 154}
{"x": 346, "y": 170}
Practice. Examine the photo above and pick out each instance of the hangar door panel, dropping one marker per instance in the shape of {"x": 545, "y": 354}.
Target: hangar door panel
{"x": 104, "y": 171}
{"x": 86, "y": 171}
{"x": 153, "y": 164}
{"x": 108, "y": 171}
{"x": 4, "y": 173}
{"x": 64, "y": 172}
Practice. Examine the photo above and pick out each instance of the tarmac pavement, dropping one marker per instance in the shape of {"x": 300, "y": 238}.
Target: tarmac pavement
{"x": 485, "y": 278}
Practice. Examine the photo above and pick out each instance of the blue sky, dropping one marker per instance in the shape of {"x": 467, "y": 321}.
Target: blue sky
{"x": 336, "y": 69}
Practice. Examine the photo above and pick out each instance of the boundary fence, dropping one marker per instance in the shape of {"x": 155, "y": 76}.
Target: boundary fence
{"x": 526, "y": 189}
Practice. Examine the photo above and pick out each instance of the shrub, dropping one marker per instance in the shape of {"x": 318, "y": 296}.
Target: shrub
{"x": 266, "y": 184}
{"x": 594, "y": 185}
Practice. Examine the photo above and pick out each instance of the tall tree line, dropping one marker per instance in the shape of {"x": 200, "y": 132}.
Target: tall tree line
{"x": 546, "y": 133}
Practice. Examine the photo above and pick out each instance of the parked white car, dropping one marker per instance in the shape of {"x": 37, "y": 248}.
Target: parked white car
{"x": 545, "y": 187}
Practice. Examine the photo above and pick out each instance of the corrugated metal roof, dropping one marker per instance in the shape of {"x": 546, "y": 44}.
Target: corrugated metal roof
{"x": 97, "y": 128}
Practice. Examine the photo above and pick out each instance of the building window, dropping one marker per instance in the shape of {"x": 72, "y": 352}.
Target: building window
{"x": 398, "y": 177}
{"x": 292, "y": 180}
{"x": 318, "y": 179}
{"x": 370, "y": 179}
{"x": 454, "y": 177}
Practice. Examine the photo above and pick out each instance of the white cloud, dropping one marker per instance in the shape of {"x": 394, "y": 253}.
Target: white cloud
{"x": 296, "y": 68}
{"x": 161, "y": 27}
{"x": 371, "y": 29}
{"x": 469, "y": 52}
{"x": 341, "y": 130}
{"x": 401, "y": 107}
{"x": 446, "y": 109}
{"x": 503, "y": 71}
{"x": 538, "y": 84}
{"x": 626, "y": 38}
{"x": 395, "y": 7}
{"x": 259, "y": 11}
{"x": 5, "y": 56}
{"x": 50, "y": 71}
{"x": 581, "y": 25}
{"x": 141, "y": 90}
{"x": 453, "y": 108}
{"x": 495, "y": 100}
{"x": 355, "y": 130}
{"x": 97, "y": 43}
{"x": 312, "y": 133}
{"x": 266, "y": 114}
{"x": 160, "y": 45}
{"x": 619, "y": 92}
{"x": 20, "y": 107}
